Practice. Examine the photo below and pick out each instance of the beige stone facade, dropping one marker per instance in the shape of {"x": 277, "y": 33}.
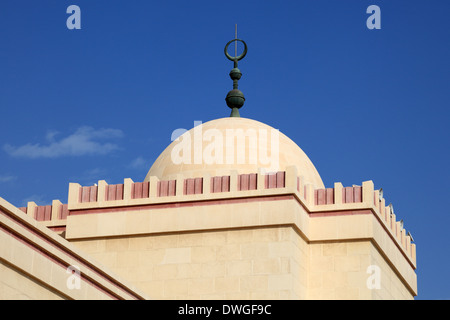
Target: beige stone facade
{"x": 36, "y": 263}
{"x": 238, "y": 235}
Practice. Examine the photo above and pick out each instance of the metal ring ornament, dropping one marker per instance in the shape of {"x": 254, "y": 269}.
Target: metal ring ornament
{"x": 241, "y": 56}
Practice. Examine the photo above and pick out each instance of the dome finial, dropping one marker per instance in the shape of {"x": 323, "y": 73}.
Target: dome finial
{"x": 235, "y": 98}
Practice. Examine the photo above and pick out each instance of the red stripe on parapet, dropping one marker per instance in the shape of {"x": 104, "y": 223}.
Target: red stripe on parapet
{"x": 63, "y": 264}
{"x": 61, "y": 248}
{"x": 183, "y": 204}
{"x": 340, "y": 213}
{"x": 212, "y": 202}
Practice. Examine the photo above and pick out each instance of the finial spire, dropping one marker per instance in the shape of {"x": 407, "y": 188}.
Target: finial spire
{"x": 235, "y": 42}
{"x": 235, "y": 98}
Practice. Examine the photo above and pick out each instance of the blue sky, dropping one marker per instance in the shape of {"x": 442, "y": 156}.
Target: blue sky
{"x": 100, "y": 103}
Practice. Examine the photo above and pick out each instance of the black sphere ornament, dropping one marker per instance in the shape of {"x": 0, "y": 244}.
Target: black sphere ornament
{"x": 235, "y": 98}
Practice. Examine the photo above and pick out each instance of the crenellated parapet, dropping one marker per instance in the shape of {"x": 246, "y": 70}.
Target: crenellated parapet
{"x": 180, "y": 189}
{"x": 357, "y": 198}
{"x": 53, "y": 216}
{"x": 354, "y": 216}
{"x": 316, "y": 201}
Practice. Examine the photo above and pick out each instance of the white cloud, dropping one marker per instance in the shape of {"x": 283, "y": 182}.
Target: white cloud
{"x": 84, "y": 141}
{"x": 139, "y": 163}
{"x": 50, "y": 136}
{"x": 7, "y": 178}
{"x": 39, "y": 199}
{"x": 91, "y": 176}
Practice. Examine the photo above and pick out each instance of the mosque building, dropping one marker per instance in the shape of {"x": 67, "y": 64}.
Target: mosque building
{"x": 231, "y": 209}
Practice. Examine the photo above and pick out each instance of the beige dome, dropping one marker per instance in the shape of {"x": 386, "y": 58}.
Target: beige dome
{"x": 225, "y": 144}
